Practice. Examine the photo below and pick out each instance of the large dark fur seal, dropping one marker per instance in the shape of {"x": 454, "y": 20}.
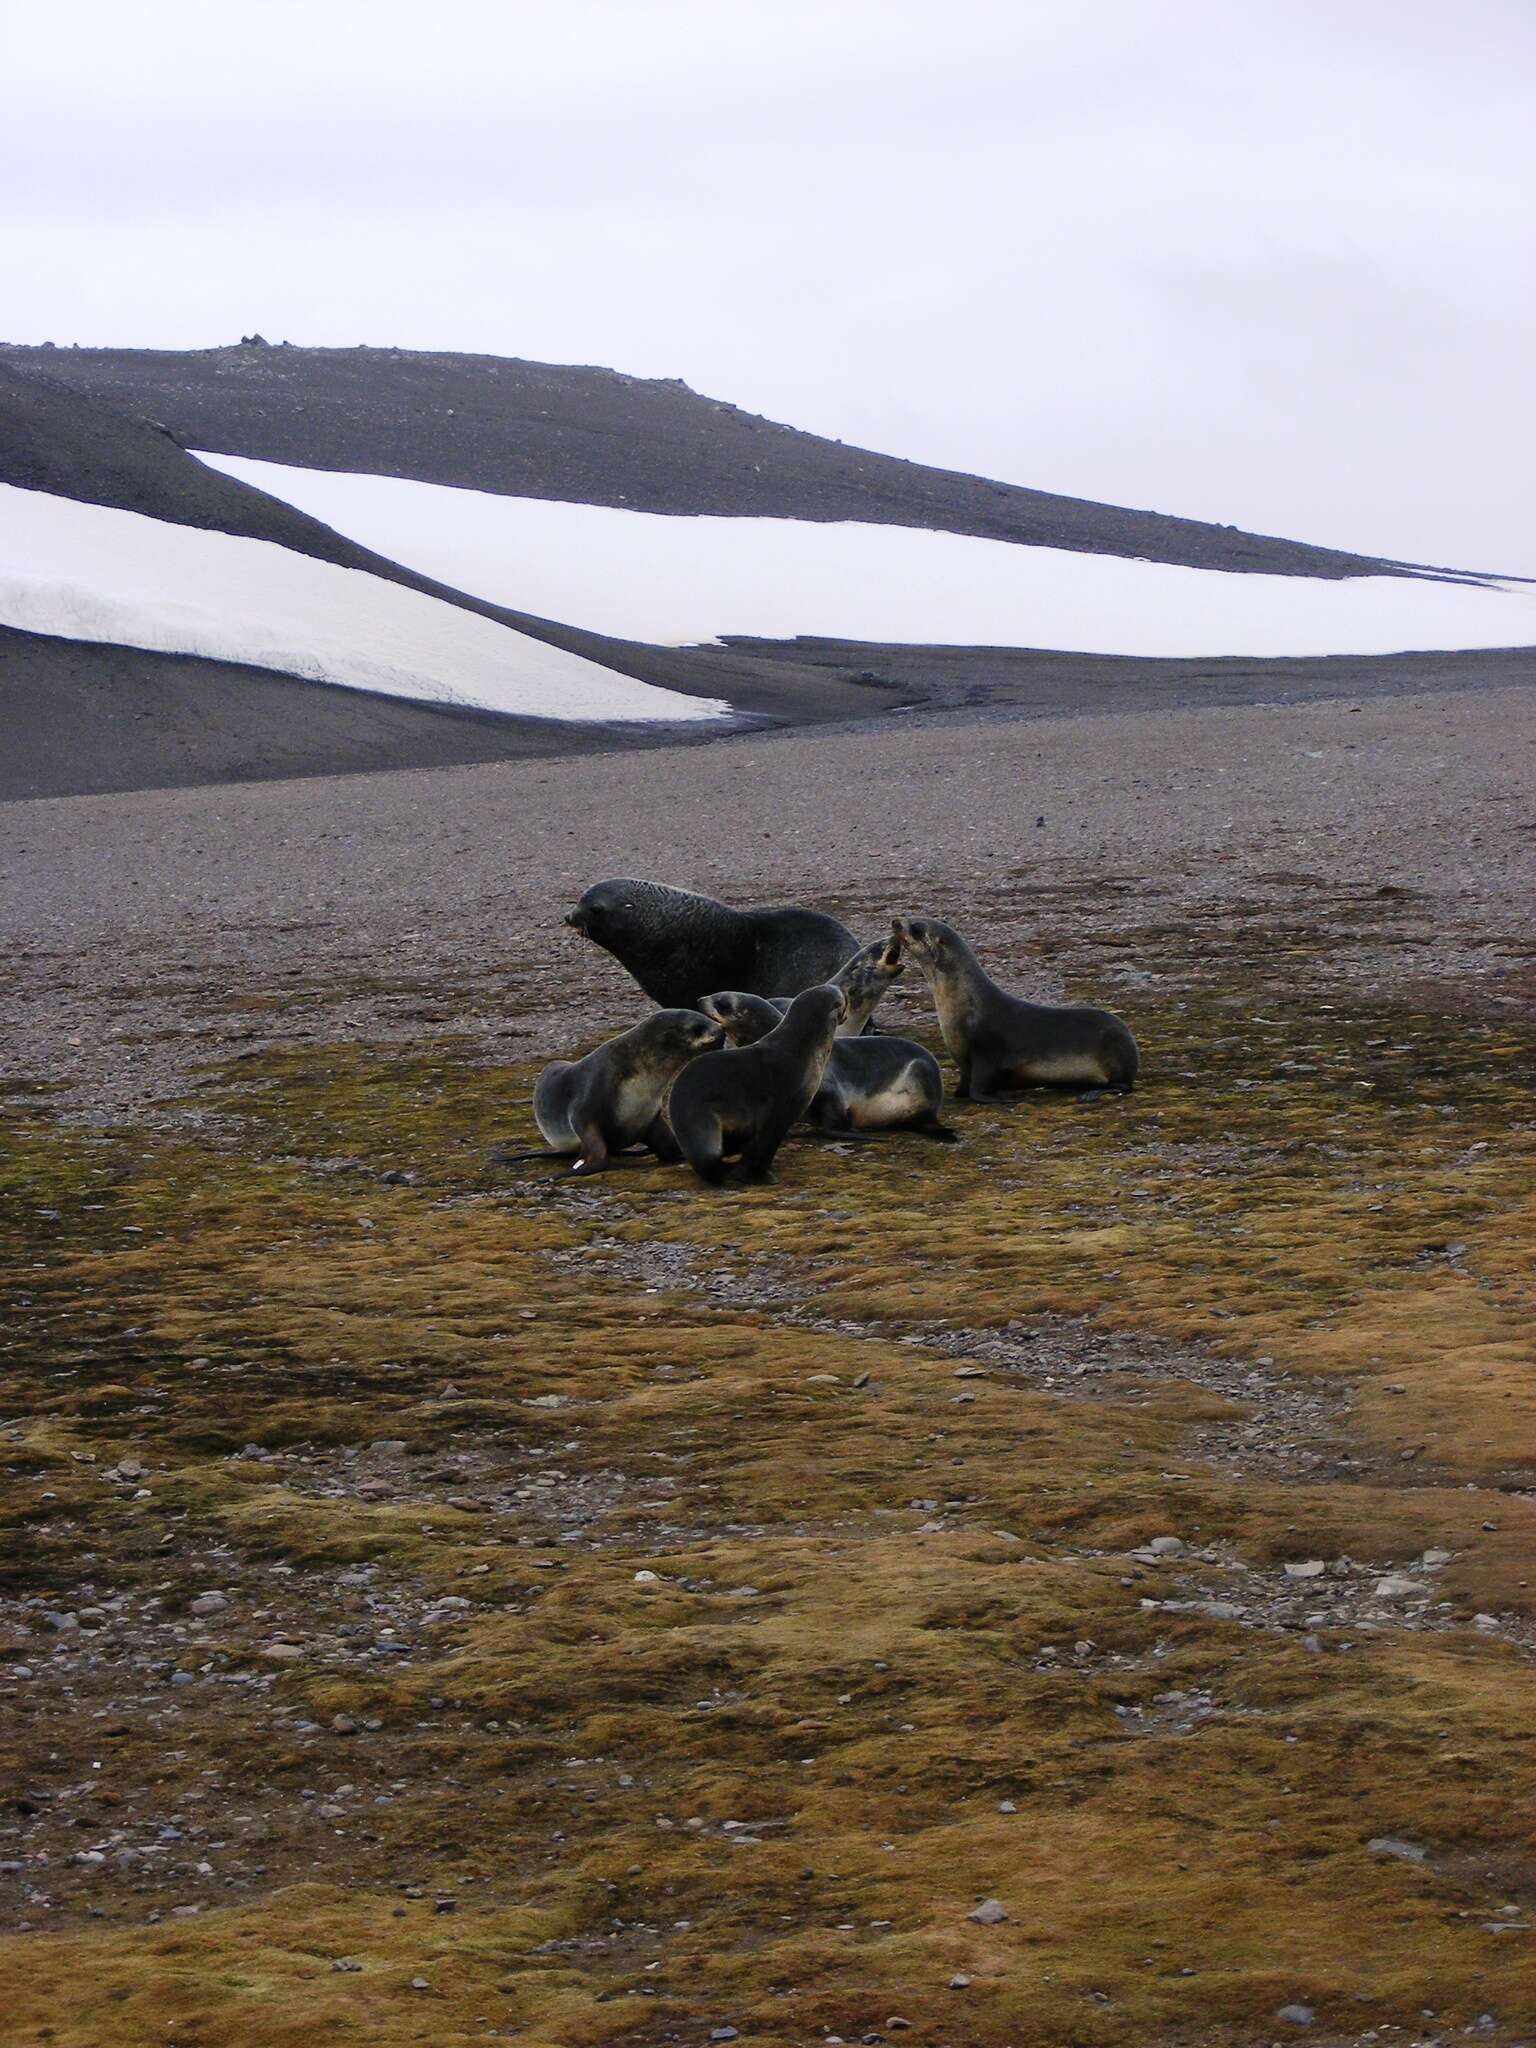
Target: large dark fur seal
{"x": 868, "y": 1084}
{"x": 680, "y": 946}
{"x": 614, "y": 1097}
{"x": 999, "y": 1041}
{"x": 742, "y": 1101}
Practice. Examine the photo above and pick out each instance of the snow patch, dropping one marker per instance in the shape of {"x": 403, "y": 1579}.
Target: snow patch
{"x": 685, "y": 580}
{"x": 93, "y": 572}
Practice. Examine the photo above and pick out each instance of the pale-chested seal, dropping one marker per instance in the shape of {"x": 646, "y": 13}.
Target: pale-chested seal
{"x": 868, "y": 1084}
{"x": 679, "y": 946}
{"x": 615, "y": 1097}
{"x": 741, "y": 1102}
{"x": 998, "y": 1040}
{"x": 864, "y": 979}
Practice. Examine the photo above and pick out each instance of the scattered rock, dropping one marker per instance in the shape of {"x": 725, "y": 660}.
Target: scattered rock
{"x": 1296, "y": 2015}
{"x": 209, "y": 1603}
{"x": 1389, "y": 1845}
{"x": 990, "y": 1913}
{"x": 1396, "y": 1587}
{"x": 1309, "y": 1568}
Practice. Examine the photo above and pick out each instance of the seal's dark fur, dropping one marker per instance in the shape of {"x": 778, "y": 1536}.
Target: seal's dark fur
{"x": 681, "y": 947}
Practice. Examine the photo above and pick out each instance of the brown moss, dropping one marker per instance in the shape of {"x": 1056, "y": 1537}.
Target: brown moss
{"x": 884, "y": 1600}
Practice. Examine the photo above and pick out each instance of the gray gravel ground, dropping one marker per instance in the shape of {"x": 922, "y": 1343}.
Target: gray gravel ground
{"x": 153, "y": 933}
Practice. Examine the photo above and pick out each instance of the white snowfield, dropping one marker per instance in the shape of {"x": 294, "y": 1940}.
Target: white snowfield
{"x": 648, "y": 576}
{"x": 91, "y": 572}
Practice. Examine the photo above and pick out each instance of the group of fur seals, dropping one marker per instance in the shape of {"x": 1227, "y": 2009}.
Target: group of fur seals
{"x": 867, "y": 1084}
{"x": 765, "y": 1022}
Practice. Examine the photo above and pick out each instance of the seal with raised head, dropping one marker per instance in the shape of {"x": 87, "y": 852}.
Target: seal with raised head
{"x": 868, "y": 1084}
{"x": 615, "y": 1097}
{"x": 864, "y": 979}
{"x": 1000, "y": 1041}
{"x": 679, "y": 945}
{"x": 740, "y": 1103}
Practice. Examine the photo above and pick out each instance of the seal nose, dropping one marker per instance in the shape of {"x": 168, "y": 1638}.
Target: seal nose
{"x": 576, "y": 920}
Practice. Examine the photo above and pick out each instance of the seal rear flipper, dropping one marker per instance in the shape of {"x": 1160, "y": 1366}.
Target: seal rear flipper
{"x": 659, "y": 1139}
{"x": 593, "y": 1157}
{"x": 930, "y": 1127}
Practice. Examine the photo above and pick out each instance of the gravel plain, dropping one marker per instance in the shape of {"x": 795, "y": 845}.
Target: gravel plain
{"x": 153, "y": 934}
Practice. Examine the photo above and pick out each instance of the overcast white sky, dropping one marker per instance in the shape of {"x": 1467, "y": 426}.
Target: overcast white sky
{"x": 1267, "y": 262}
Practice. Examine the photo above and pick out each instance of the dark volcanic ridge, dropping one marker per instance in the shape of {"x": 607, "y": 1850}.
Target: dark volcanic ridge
{"x": 56, "y": 439}
{"x": 599, "y": 437}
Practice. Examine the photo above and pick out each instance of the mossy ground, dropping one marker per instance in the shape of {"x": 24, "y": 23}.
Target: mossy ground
{"x": 763, "y": 1789}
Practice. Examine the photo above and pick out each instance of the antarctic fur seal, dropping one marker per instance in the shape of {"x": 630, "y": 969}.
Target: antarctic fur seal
{"x": 864, "y": 978}
{"x": 998, "y": 1040}
{"x": 868, "y": 1084}
{"x": 679, "y": 945}
{"x": 615, "y": 1097}
{"x": 742, "y": 1101}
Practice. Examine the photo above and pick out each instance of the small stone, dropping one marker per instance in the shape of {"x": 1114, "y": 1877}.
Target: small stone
{"x": 1389, "y": 1845}
{"x": 959, "y": 1983}
{"x": 1396, "y": 1587}
{"x": 647, "y": 1578}
{"x": 445, "y": 1905}
{"x": 22, "y": 1671}
{"x": 1435, "y": 1558}
{"x": 209, "y": 1603}
{"x": 1310, "y": 1568}
{"x": 1485, "y": 1621}
{"x": 1167, "y": 1546}
{"x": 1296, "y": 2015}
{"x": 420, "y": 1984}
{"x": 990, "y": 1913}
{"x": 388, "y": 1446}
{"x": 343, "y": 1724}
{"x": 346, "y": 1963}
{"x": 724, "y": 2034}
{"x": 1006, "y": 1806}
{"x": 281, "y": 1653}
{"x": 545, "y": 1401}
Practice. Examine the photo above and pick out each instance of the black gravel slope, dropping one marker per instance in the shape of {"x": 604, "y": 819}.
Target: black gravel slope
{"x": 594, "y": 436}
{"x": 53, "y": 438}
{"x": 82, "y": 719}
{"x": 1035, "y": 682}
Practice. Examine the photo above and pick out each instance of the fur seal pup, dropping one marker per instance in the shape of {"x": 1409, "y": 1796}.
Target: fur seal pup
{"x": 679, "y": 946}
{"x": 863, "y": 979}
{"x": 999, "y": 1041}
{"x": 742, "y": 1101}
{"x": 614, "y": 1097}
{"x": 868, "y": 1084}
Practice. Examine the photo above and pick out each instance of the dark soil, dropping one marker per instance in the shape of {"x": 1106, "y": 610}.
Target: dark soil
{"x": 598, "y": 437}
